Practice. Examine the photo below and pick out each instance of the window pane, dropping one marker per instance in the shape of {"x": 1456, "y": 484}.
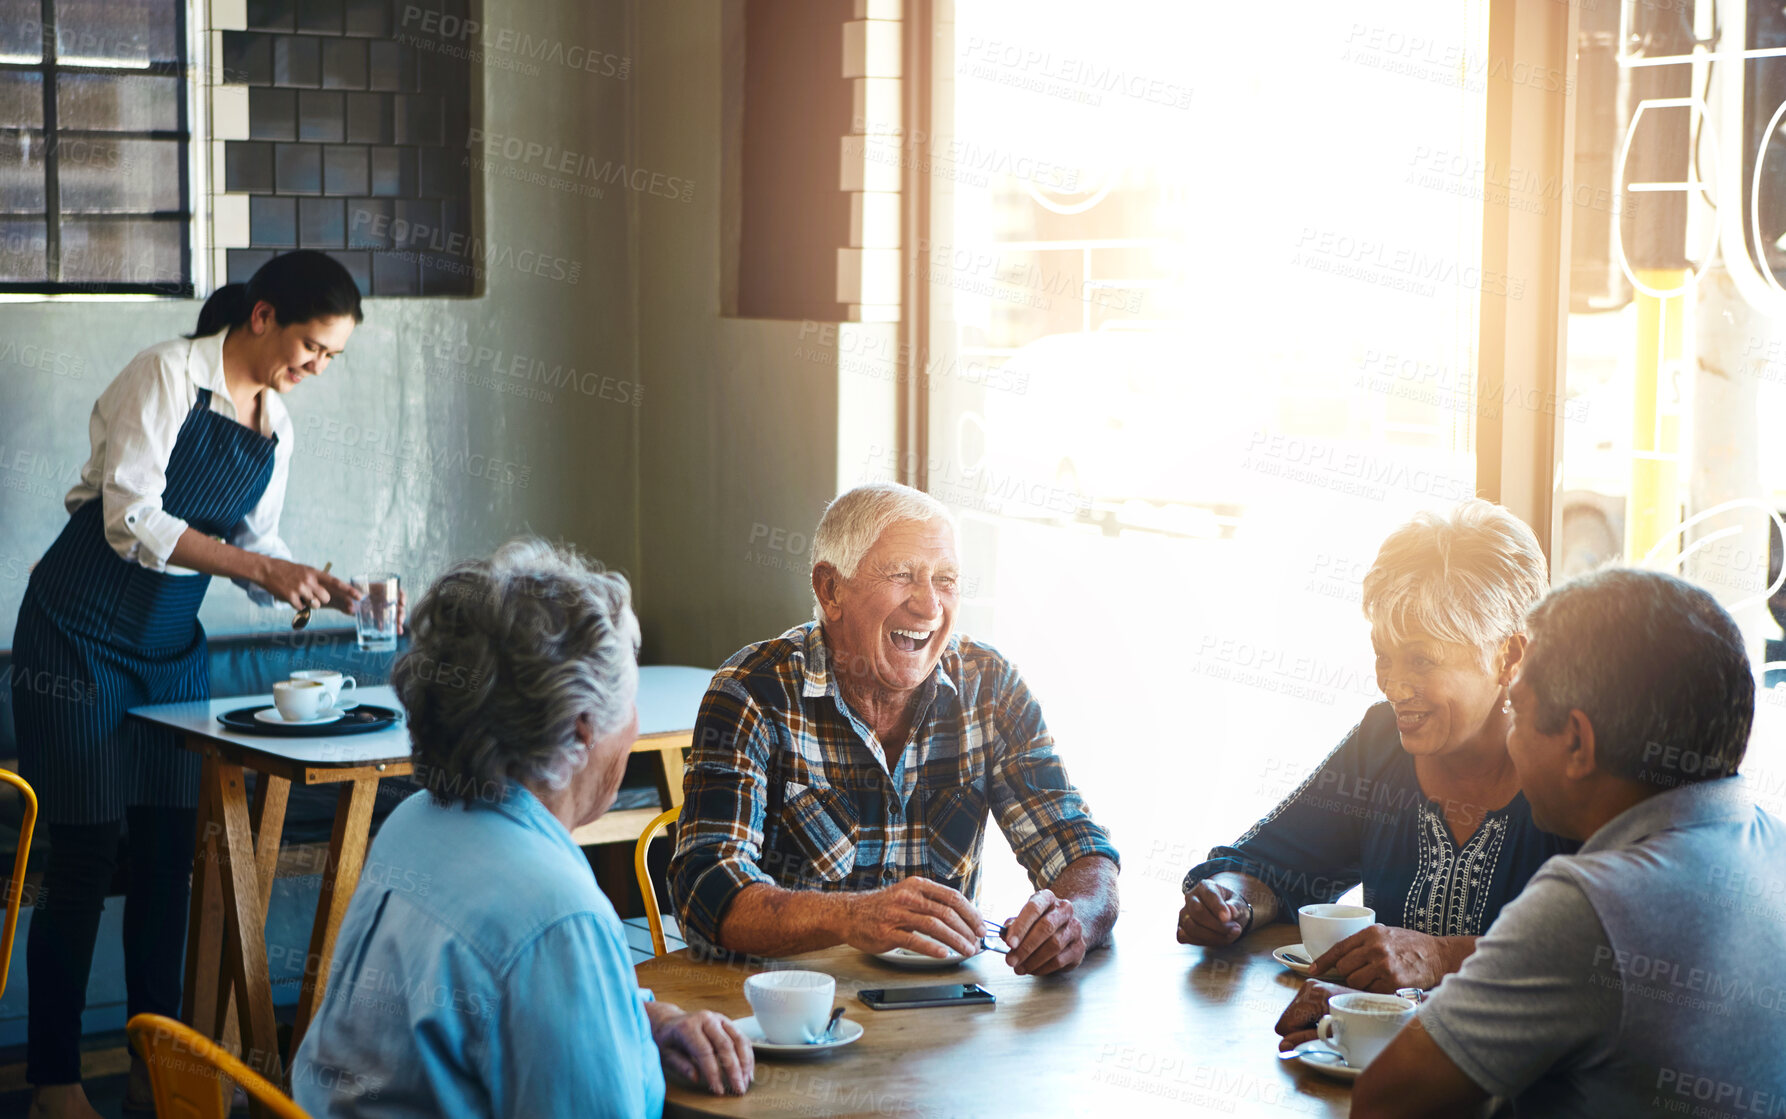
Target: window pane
{"x": 1189, "y": 393}
{"x": 22, "y": 252}
{"x": 1673, "y": 456}
{"x": 119, "y": 104}
{"x": 122, "y": 252}
{"x": 21, "y": 32}
{"x": 21, "y": 172}
{"x": 119, "y": 176}
{"x": 21, "y": 100}
{"x": 116, "y": 32}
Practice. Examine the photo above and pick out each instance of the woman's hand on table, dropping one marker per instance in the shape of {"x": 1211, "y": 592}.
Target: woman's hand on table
{"x": 1382, "y": 959}
{"x": 1297, "y": 1024}
{"x": 300, "y": 585}
{"x": 1213, "y": 915}
{"x": 703, "y": 1047}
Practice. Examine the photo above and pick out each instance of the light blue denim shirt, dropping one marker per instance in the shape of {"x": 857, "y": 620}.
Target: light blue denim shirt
{"x": 479, "y": 972}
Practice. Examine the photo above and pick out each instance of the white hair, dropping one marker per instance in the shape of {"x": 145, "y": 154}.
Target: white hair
{"x": 1467, "y": 579}
{"x": 505, "y": 655}
{"x": 856, "y": 518}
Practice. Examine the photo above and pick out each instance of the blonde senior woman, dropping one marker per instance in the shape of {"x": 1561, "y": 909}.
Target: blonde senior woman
{"x": 1420, "y": 801}
{"x": 481, "y": 972}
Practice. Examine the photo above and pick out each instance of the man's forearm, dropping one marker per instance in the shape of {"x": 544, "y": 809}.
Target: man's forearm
{"x": 1089, "y": 882}
{"x": 765, "y": 920}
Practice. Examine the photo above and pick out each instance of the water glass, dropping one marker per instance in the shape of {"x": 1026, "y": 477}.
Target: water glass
{"x": 375, "y": 616}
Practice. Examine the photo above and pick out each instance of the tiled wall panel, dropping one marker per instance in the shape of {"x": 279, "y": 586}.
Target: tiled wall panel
{"x": 355, "y": 141}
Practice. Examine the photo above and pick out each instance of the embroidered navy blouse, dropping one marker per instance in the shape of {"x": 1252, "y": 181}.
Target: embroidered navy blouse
{"x": 1361, "y": 816}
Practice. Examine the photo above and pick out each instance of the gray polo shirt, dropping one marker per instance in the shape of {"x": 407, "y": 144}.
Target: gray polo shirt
{"x": 1644, "y": 975}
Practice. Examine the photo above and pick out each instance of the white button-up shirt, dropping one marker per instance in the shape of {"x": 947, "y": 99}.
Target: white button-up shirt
{"x": 134, "y": 426}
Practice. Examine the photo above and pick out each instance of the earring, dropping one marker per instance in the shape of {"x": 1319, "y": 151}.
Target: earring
{"x": 1507, "y": 705}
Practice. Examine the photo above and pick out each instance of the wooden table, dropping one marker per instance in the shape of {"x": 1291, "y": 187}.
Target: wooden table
{"x": 1146, "y": 1027}
{"x": 237, "y": 848}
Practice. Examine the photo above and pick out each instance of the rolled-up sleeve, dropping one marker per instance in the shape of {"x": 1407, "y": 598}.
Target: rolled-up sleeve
{"x": 719, "y": 836}
{"x": 1044, "y": 818}
{"x": 138, "y": 420}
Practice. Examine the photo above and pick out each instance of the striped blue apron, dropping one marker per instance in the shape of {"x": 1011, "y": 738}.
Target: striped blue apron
{"x": 98, "y": 634}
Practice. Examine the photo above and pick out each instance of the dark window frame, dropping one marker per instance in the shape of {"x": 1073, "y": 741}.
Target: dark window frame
{"x": 49, "y": 68}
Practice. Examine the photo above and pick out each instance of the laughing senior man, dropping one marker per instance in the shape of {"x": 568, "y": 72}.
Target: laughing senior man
{"x": 842, "y": 773}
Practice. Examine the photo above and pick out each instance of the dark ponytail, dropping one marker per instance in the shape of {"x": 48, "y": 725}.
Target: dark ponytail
{"x": 301, "y": 286}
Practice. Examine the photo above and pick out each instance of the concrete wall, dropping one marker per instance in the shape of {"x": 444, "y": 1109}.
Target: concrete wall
{"x": 422, "y": 445}
{"x": 752, "y": 425}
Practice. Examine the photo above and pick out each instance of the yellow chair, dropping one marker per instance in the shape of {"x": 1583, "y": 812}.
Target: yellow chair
{"x": 15, "y": 889}
{"x": 189, "y": 1072}
{"x": 652, "y": 916}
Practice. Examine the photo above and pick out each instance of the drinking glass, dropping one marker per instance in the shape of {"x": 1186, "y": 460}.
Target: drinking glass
{"x": 375, "y": 616}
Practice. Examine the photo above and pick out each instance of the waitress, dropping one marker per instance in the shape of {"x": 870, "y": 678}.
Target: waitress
{"x": 191, "y": 450}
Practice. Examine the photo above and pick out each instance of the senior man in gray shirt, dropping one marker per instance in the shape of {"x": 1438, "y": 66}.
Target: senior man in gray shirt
{"x": 1642, "y": 976}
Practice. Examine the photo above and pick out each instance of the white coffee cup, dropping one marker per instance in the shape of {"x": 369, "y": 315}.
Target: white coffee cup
{"x": 791, "y": 1006}
{"x": 298, "y": 700}
{"x": 333, "y": 683}
{"x": 1323, "y": 926}
{"x": 1361, "y": 1025}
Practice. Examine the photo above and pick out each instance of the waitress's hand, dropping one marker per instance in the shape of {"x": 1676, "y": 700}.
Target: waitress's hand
{"x": 301, "y": 586}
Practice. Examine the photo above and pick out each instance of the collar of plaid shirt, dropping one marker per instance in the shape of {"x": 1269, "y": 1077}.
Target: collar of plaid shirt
{"x": 817, "y": 681}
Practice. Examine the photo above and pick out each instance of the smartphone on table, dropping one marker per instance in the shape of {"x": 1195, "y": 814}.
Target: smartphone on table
{"x": 911, "y": 998}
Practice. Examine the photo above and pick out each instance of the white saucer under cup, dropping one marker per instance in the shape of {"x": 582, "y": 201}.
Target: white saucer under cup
{"x": 845, "y": 1033}
{"x": 272, "y": 717}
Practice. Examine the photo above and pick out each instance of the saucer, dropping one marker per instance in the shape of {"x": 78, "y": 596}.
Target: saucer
{"x": 847, "y": 1031}
{"x": 342, "y": 707}
{"x": 272, "y": 715}
{"x": 1324, "y": 1059}
{"x": 917, "y": 961}
{"x": 1278, "y": 955}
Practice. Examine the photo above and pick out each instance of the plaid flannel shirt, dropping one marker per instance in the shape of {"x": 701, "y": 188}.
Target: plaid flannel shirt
{"x": 783, "y": 786}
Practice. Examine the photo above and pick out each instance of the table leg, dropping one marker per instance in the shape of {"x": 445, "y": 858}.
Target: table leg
{"x": 245, "y": 952}
{"x": 268, "y": 817}
{"x": 204, "y": 926}
{"x": 670, "y": 782}
{"x": 347, "y": 852}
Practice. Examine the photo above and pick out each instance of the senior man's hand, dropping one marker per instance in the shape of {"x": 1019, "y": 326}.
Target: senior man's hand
{"x": 704, "y": 1047}
{"x": 914, "y": 913}
{"x": 1046, "y": 936}
{"x": 1382, "y": 958}
{"x": 1297, "y": 1023}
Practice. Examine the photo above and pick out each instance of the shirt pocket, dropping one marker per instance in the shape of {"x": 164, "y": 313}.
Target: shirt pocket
{"x": 955, "y": 819}
{"x": 821, "y": 824}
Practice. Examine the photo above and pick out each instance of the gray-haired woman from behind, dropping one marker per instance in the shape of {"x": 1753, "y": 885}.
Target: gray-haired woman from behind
{"x": 479, "y": 970}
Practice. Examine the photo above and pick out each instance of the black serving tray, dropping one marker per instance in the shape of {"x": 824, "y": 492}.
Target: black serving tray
{"x": 364, "y": 719}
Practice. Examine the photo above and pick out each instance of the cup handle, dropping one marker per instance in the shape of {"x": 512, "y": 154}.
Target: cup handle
{"x": 1328, "y": 1030}
{"x": 348, "y": 686}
